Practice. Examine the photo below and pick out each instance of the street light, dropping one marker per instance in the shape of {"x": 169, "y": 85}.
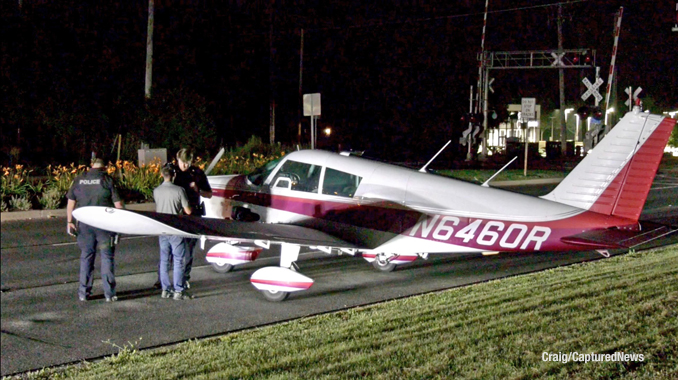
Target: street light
{"x": 609, "y": 111}
{"x": 566, "y": 112}
{"x": 328, "y": 131}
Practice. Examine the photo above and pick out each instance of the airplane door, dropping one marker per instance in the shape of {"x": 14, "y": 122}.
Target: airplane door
{"x": 294, "y": 193}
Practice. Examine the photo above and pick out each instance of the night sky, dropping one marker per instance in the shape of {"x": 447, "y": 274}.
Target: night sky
{"x": 394, "y": 77}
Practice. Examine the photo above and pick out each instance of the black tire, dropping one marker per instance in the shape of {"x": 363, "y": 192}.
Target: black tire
{"x": 383, "y": 265}
{"x": 275, "y": 295}
{"x": 224, "y": 268}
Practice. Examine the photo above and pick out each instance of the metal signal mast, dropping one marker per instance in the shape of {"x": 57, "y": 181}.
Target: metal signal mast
{"x": 532, "y": 59}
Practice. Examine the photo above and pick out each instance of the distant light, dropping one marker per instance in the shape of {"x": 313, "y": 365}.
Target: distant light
{"x": 328, "y": 131}
{"x": 609, "y": 111}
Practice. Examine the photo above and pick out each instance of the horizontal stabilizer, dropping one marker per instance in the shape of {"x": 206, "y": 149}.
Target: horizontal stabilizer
{"x": 618, "y": 239}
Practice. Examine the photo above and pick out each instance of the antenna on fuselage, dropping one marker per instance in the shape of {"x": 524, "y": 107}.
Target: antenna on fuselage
{"x": 486, "y": 183}
{"x": 423, "y": 169}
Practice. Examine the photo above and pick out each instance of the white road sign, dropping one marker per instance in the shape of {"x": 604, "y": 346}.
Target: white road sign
{"x": 528, "y": 108}
{"x": 312, "y": 104}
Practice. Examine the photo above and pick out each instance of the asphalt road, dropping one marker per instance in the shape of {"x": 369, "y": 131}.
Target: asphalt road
{"x": 44, "y": 324}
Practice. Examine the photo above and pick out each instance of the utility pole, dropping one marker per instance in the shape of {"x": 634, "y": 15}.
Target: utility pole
{"x": 561, "y": 83}
{"x": 301, "y": 72}
{"x": 149, "y": 49}
{"x": 270, "y": 75}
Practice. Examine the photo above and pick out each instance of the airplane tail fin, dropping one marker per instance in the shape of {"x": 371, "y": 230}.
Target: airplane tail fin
{"x": 615, "y": 177}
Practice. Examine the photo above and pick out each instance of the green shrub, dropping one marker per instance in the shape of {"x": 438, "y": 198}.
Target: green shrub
{"x": 245, "y": 159}
{"x": 14, "y": 181}
{"x": 136, "y": 181}
{"x": 51, "y": 199}
{"x": 20, "y": 203}
{"x": 61, "y": 177}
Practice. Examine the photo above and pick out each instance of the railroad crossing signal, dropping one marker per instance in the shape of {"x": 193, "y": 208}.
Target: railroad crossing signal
{"x": 633, "y": 97}
{"x": 558, "y": 61}
{"x": 592, "y": 89}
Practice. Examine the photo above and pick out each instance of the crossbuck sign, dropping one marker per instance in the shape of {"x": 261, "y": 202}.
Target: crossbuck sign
{"x": 592, "y": 90}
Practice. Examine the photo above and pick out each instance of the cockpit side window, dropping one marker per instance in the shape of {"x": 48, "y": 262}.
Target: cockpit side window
{"x": 305, "y": 177}
{"x": 340, "y": 183}
{"x": 258, "y": 177}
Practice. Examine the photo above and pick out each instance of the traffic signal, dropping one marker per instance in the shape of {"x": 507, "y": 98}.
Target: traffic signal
{"x": 583, "y": 112}
{"x": 493, "y": 119}
{"x": 597, "y": 114}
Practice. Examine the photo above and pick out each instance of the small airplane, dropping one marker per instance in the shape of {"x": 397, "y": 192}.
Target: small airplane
{"x": 393, "y": 215}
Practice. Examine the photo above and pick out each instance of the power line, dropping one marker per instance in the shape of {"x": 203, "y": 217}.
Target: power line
{"x": 428, "y": 19}
{"x": 415, "y": 21}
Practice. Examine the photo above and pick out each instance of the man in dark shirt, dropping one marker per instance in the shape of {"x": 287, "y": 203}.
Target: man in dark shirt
{"x": 93, "y": 188}
{"x": 194, "y": 181}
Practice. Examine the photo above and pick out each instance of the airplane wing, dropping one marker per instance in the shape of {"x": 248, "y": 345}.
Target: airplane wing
{"x": 151, "y": 223}
{"x": 618, "y": 239}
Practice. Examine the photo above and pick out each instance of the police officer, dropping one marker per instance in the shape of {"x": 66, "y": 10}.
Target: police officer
{"x": 194, "y": 181}
{"x": 94, "y": 188}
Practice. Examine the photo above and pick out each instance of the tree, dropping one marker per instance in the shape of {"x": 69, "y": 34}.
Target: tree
{"x": 179, "y": 119}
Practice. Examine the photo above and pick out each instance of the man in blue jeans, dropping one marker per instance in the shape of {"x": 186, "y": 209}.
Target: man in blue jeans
{"x": 93, "y": 188}
{"x": 172, "y": 199}
{"x": 194, "y": 181}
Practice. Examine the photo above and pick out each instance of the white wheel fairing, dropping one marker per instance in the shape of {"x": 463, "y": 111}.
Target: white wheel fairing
{"x": 277, "y": 279}
{"x": 226, "y": 254}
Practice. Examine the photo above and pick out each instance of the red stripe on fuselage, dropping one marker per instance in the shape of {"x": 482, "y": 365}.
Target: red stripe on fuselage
{"x": 388, "y": 218}
{"x": 381, "y": 216}
{"x": 512, "y": 236}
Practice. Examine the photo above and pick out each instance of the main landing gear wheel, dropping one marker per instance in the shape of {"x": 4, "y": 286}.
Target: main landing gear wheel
{"x": 275, "y": 295}
{"x": 223, "y": 268}
{"x": 382, "y": 263}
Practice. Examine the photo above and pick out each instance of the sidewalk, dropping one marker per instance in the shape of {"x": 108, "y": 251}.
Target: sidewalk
{"x": 60, "y": 213}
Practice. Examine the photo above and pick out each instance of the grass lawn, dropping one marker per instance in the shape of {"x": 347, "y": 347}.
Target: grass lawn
{"x": 498, "y": 329}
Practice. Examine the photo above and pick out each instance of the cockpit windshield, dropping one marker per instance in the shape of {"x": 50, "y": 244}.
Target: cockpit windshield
{"x": 258, "y": 176}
